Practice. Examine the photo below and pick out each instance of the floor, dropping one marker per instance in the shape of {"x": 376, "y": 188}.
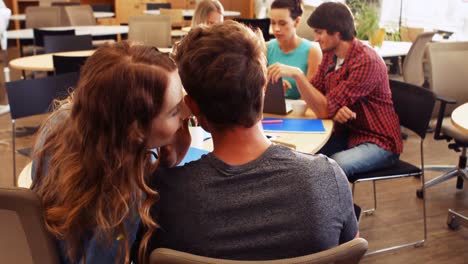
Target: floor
{"x": 397, "y": 219}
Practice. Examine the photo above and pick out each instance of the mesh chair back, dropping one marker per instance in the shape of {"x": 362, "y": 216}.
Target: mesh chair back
{"x": 34, "y": 97}
{"x": 43, "y": 16}
{"x": 263, "y": 24}
{"x": 405, "y": 97}
{"x": 413, "y": 71}
{"x": 24, "y": 237}
{"x": 66, "y": 64}
{"x": 39, "y": 34}
{"x": 81, "y": 15}
{"x": 349, "y": 253}
{"x": 159, "y": 36}
{"x": 67, "y": 43}
{"x": 448, "y": 71}
{"x": 157, "y": 6}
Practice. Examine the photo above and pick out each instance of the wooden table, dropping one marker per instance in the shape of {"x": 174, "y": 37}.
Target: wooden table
{"x": 460, "y": 117}
{"x": 44, "y": 62}
{"x": 303, "y": 142}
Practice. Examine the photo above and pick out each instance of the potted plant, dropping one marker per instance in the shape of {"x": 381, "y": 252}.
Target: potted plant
{"x": 366, "y": 15}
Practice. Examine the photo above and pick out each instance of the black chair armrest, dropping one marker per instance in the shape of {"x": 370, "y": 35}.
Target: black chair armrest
{"x": 443, "y": 103}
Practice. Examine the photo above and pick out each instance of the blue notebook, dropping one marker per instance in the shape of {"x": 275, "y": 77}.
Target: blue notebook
{"x": 192, "y": 155}
{"x": 297, "y": 125}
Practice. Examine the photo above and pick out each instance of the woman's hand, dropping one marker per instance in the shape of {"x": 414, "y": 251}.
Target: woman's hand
{"x": 172, "y": 154}
{"x": 278, "y": 70}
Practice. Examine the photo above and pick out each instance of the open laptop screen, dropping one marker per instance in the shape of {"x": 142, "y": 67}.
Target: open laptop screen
{"x": 274, "y": 101}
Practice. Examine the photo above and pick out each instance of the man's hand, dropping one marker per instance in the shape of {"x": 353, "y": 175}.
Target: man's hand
{"x": 278, "y": 70}
{"x": 174, "y": 153}
{"x": 344, "y": 115}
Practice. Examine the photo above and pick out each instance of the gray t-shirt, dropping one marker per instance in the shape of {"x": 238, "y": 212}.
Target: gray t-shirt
{"x": 283, "y": 204}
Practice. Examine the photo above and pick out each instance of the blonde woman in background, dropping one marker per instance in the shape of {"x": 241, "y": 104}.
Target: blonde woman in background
{"x": 208, "y": 12}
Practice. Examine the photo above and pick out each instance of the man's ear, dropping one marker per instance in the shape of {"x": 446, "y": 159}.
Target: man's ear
{"x": 192, "y": 105}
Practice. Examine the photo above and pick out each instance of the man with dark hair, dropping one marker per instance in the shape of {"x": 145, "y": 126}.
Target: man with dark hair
{"x": 248, "y": 199}
{"x": 351, "y": 86}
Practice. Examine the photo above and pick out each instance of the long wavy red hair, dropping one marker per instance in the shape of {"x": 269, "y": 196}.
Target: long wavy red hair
{"x": 92, "y": 167}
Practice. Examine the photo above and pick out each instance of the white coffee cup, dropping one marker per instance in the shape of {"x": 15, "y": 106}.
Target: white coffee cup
{"x": 197, "y": 133}
{"x": 299, "y": 107}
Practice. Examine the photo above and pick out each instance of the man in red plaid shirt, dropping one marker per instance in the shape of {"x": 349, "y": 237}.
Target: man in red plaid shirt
{"x": 351, "y": 86}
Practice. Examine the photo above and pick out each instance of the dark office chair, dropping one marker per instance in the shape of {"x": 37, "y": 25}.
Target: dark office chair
{"x": 348, "y": 253}
{"x": 157, "y": 6}
{"x": 54, "y": 44}
{"x": 35, "y": 97}
{"x": 66, "y": 64}
{"x": 414, "y": 106}
{"x": 39, "y": 35}
{"x": 102, "y": 8}
{"x": 24, "y": 236}
{"x": 263, "y": 24}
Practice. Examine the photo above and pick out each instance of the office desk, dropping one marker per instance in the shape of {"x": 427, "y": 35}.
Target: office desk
{"x": 460, "y": 117}
{"x": 22, "y": 17}
{"x": 189, "y": 13}
{"x": 97, "y": 30}
{"x": 79, "y": 30}
{"x": 391, "y": 49}
{"x": 44, "y": 62}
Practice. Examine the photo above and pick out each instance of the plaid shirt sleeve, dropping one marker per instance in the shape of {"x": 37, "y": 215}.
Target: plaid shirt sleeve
{"x": 360, "y": 81}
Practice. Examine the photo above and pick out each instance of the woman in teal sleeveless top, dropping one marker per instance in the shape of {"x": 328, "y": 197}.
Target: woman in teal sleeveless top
{"x": 288, "y": 50}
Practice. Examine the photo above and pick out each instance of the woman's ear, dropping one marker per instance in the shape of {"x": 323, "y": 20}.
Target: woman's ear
{"x": 192, "y": 105}
{"x": 296, "y": 21}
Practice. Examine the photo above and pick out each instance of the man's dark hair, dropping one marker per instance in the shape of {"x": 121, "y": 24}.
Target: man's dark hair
{"x": 333, "y": 17}
{"x": 223, "y": 68}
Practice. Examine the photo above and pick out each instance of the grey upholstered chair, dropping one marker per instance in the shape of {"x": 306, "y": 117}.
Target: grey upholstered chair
{"x": 303, "y": 30}
{"x": 449, "y": 80}
{"x": 347, "y": 253}
{"x": 159, "y": 36}
{"x": 413, "y": 71}
{"x": 24, "y": 237}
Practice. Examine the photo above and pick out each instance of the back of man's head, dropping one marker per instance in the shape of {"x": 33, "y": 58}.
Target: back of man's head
{"x": 333, "y": 17}
{"x": 223, "y": 69}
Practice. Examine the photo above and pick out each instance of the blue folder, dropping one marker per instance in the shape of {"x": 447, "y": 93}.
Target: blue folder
{"x": 192, "y": 155}
{"x": 297, "y": 125}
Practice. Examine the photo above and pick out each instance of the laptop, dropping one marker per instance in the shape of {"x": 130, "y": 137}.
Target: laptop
{"x": 274, "y": 101}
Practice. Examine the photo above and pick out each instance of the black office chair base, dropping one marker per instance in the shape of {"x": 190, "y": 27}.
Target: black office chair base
{"x": 460, "y": 173}
{"x": 455, "y": 220}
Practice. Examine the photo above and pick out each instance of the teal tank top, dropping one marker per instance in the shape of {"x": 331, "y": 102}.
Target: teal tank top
{"x": 297, "y": 58}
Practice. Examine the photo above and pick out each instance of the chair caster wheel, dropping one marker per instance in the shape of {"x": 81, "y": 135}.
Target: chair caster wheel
{"x": 420, "y": 194}
{"x": 453, "y": 224}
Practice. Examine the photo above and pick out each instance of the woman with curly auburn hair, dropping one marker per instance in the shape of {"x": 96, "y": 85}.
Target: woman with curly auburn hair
{"x": 92, "y": 157}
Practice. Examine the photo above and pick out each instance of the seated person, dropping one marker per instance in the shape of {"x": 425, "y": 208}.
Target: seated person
{"x": 352, "y": 87}
{"x": 92, "y": 156}
{"x": 288, "y": 48}
{"x": 248, "y": 199}
{"x": 208, "y": 12}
